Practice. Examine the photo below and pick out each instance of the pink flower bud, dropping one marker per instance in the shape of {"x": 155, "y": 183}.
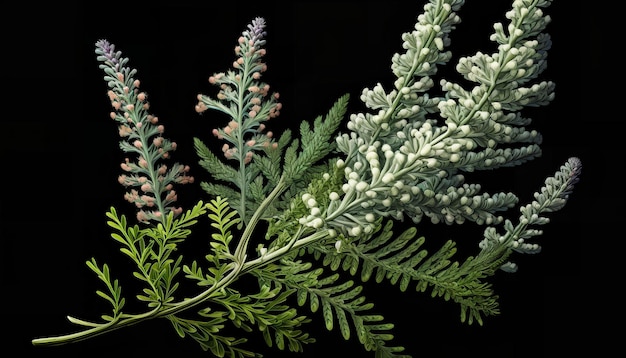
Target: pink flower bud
{"x": 171, "y": 196}
{"x": 141, "y": 216}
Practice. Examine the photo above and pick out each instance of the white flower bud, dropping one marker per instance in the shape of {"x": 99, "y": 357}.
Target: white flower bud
{"x": 371, "y": 156}
{"x": 388, "y": 178}
{"x": 317, "y": 223}
{"x": 400, "y": 158}
{"x": 439, "y": 43}
{"x": 361, "y": 186}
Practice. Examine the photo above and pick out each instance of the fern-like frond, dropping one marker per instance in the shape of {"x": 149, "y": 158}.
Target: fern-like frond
{"x": 315, "y": 144}
{"x": 268, "y": 310}
{"x": 114, "y": 295}
{"x": 340, "y": 302}
{"x": 402, "y": 261}
{"x": 270, "y": 165}
{"x": 206, "y": 333}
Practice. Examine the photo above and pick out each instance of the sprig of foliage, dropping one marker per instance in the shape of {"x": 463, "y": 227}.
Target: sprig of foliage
{"x": 330, "y": 199}
{"x": 150, "y": 179}
{"x": 261, "y": 160}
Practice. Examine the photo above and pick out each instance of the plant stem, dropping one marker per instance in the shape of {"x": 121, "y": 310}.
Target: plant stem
{"x": 128, "y": 320}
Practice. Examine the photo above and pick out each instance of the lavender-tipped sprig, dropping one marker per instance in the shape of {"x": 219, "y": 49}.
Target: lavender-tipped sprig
{"x": 550, "y": 198}
{"x": 150, "y": 182}
{"x": 248, "y": 103}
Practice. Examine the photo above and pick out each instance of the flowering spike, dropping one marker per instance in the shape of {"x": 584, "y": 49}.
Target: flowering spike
{"x": 246, "y": 100}
{"x": 142, "y": 137}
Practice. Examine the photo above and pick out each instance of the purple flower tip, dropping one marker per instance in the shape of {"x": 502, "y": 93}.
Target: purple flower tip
{"x": 106, "y": 49}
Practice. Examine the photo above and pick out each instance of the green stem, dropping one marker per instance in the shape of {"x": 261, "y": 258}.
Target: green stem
{"x": 242, "y": 247}
{"x": 129, "y": 320}
{"x": 100, "y": 329}
{"x": 294, "y": 243}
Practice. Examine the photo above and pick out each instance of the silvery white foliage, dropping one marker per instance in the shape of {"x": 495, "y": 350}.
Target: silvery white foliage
{"x": 406, "y": 157}
{"x": 552, "y": 197}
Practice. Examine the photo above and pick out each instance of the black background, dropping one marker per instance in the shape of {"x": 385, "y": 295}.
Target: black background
{"x": 61, "y": 160}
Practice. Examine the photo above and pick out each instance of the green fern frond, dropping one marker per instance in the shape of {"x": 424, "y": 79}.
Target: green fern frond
{"x": 114, "y": 296}
{"x": 222, "y": 218}
{"x": 214, "y": 190}
{"x": 276, "y": 320}
{"x": 341, "y": 302}
{"x": 206, "y": 334}
{"x": 401, "y": 261}
{"x": 315, "y": 144}
{"x": 218, "y": 170}
{"x": 175, "y": 230}
{"x": 270, "y": 165}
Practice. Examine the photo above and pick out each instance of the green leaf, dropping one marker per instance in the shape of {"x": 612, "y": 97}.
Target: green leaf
{"x": 327, "y": 313}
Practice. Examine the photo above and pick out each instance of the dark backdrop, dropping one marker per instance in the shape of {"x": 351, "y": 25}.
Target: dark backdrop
{"x": 61, "y": 161}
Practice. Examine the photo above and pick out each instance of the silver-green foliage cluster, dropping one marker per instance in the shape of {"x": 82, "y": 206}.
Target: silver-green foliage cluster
{"x": 329, "y": 197}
